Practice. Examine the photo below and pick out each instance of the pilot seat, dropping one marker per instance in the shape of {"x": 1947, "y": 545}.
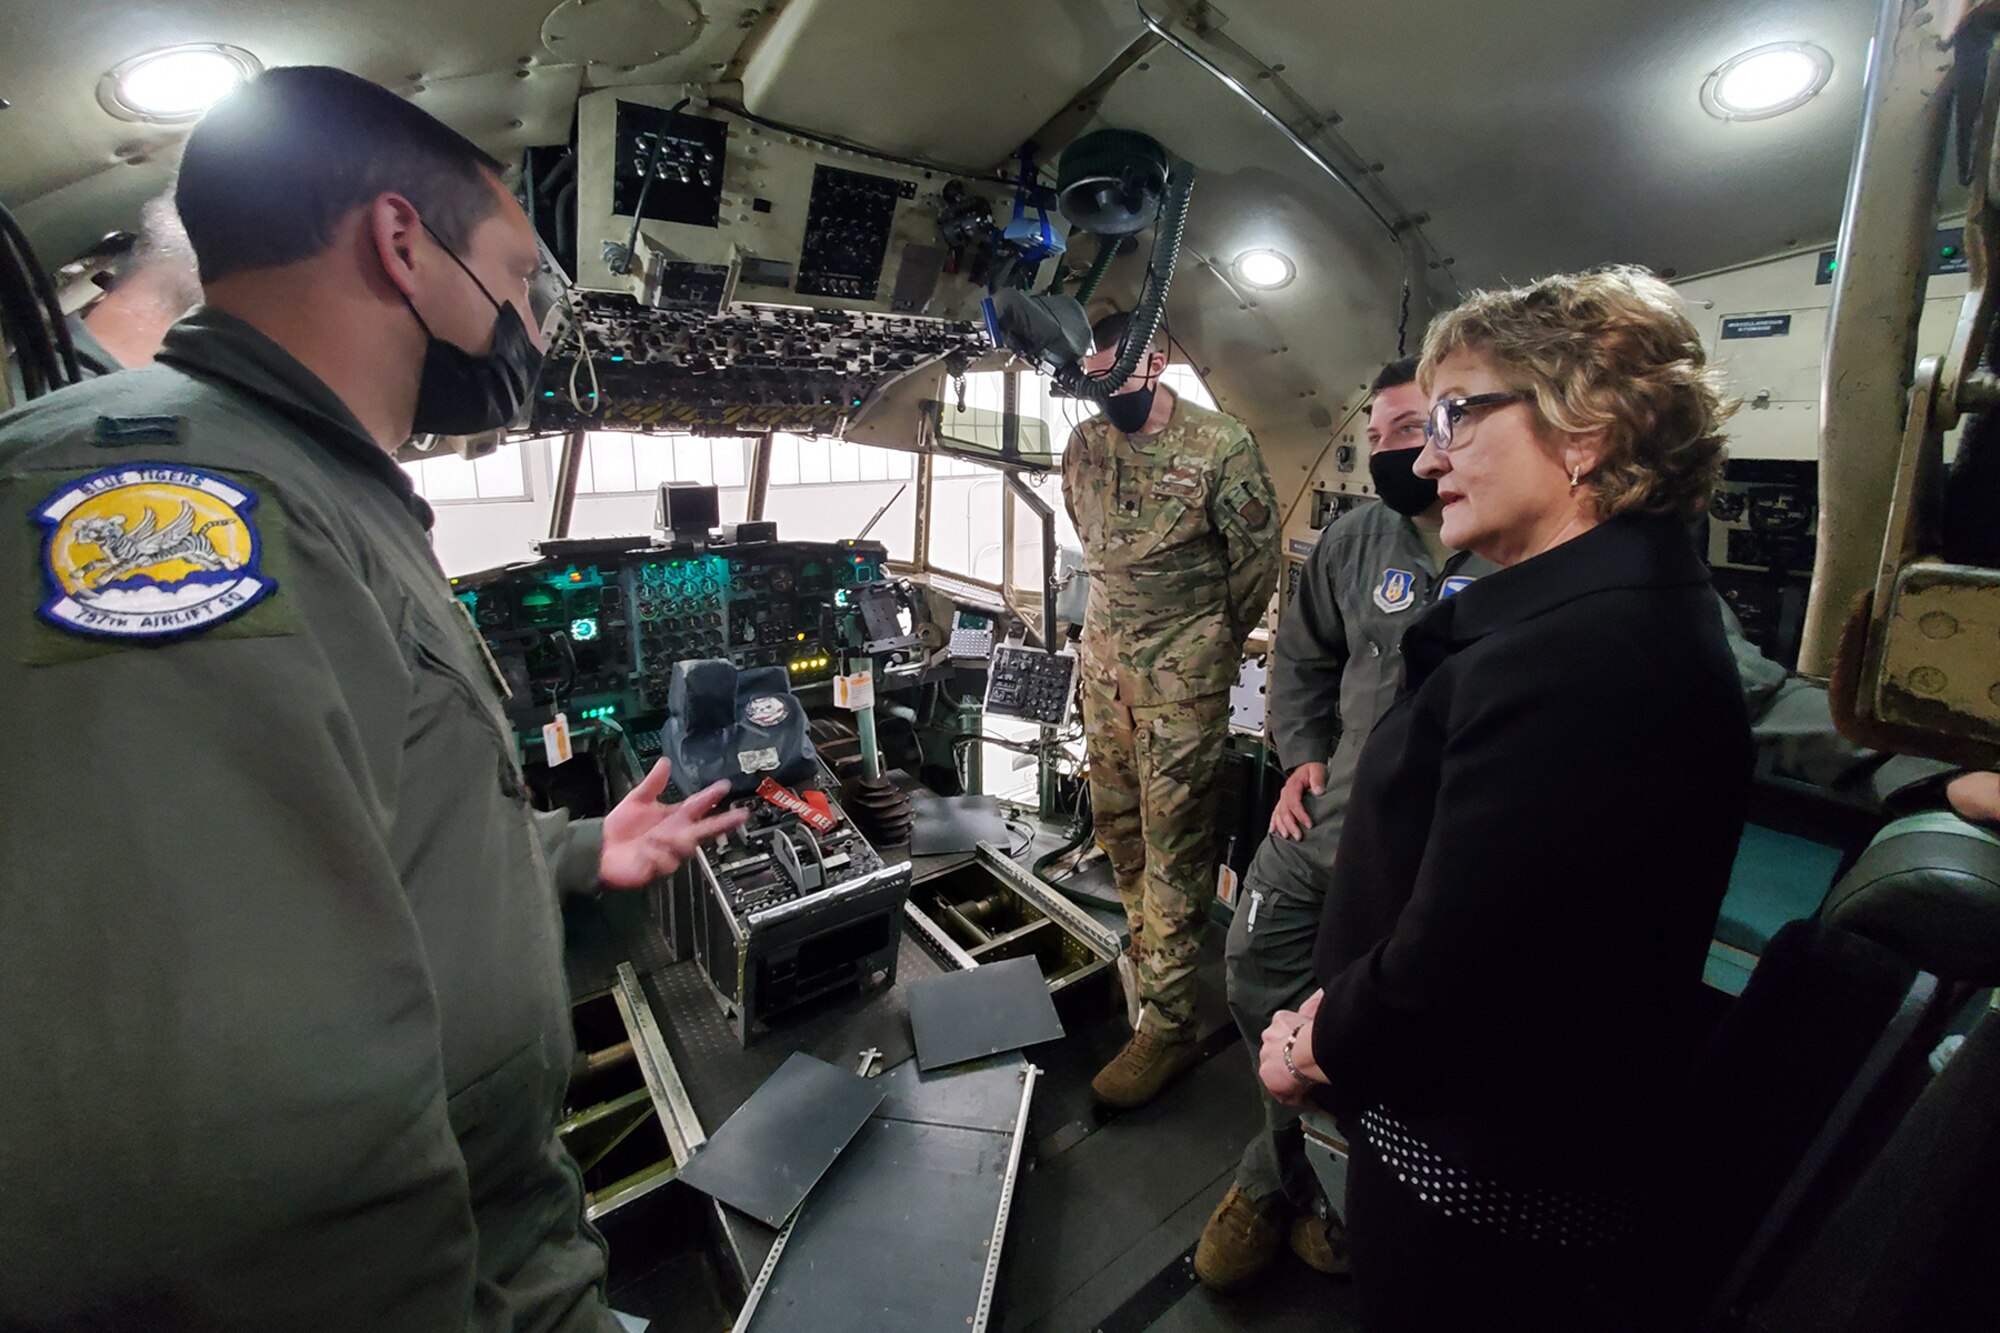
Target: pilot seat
{"x": 739, "y": 727}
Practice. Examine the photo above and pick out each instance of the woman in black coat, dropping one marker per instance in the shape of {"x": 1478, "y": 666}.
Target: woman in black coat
{"x": 1541, "y": 829}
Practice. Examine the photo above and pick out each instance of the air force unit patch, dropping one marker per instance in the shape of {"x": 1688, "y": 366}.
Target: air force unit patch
{"x": 149, "y": 551}
{"x": 1397, "y": 590}
{"x": 1454, "y": 585}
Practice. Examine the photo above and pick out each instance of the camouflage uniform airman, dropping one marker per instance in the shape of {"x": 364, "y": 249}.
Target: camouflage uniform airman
{"x": 1179, "y": 533}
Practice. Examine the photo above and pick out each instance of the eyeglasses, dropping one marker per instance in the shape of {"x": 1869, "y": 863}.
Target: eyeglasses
{"x": 1446, "y": 413}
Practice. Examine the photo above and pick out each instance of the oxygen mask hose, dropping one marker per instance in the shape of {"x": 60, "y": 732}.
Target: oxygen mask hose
{"x": 1107, "y": 250}
{"x": 1152, "y": 302}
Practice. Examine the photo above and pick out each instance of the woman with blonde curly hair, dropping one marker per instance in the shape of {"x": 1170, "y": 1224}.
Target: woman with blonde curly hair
{"x": 1541, "y": 828}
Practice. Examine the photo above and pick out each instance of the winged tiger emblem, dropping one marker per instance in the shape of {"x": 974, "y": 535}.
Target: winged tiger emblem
{"x": 146, "y": 546}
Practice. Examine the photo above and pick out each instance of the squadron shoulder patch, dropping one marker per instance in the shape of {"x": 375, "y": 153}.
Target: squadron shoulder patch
{"x": 1397, "y": 590}
{"x": 149, "y": 551}
{"x": 1454, "y": 585}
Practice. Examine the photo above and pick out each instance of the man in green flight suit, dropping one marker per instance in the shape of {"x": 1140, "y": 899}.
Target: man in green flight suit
{"x": 1179, "y": 527}
{"x": 1335, "y": 669}
{"x": 281, "y": 989}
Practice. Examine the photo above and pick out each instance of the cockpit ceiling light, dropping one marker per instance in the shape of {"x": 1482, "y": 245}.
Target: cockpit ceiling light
{"x": 1766, "y": 81}
{"x": 1266, "y": 269}
{"x": 175, "y": 84}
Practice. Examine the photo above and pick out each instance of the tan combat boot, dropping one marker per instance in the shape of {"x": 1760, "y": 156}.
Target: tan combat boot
{"x": 1239, "y": 1242}
{"x": 1143, "y": 1069}
{"x": 1322, "y": 1244}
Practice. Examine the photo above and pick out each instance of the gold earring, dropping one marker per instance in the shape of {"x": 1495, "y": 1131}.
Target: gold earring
{"x": 1575, "y": 477}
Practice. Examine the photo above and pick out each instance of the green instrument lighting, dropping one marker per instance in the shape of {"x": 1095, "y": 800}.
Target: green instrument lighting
{"x": 583, "y": 630}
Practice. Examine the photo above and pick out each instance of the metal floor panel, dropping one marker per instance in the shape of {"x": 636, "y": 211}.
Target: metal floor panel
{"x": 895, "y": 1238}
{"x": 998, "y": 1007}
{"x": 720, "y": 1074}
{"x": 1078, "y": 1214}
{"x": 1288, "y": 1298}
{"x": 1291, "y": 1299}
{"x": 767, "y": 1157}
{"x": 600, "y": 933}
{"x": 1064, "y": 1110}
{"x": 1103, "y": 1216}
{"x": 972, "y": 1096}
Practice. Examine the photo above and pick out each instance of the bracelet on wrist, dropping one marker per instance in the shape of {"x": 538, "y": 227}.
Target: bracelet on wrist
{"x": 1291, "y": 1067}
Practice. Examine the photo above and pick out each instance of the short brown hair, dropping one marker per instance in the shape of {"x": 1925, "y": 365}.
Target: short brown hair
{"x": 1610, "y": 350}
{"x": 1401, "y": 371}
{"x": 269, "y": 172}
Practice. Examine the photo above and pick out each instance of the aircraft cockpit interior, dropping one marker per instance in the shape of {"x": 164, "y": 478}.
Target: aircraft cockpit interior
{"x": 1151, "y": 664}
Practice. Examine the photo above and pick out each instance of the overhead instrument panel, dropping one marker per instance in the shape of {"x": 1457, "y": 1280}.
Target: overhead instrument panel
{"x": 753, "y": 368}
{"x": 681, "y": 154}
{"x": 848, "y": 220}
{"x": 730, "y": 268}
{"x": 795, "y": 221}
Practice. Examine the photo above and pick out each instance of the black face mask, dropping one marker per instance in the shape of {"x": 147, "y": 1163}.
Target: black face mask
{"x": 1397, "y": 483}
{"x": 463, "y": 393}
{"x": 1128, "y": 411}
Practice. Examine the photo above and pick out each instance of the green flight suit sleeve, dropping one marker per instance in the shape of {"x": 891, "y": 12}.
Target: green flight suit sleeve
{"x": 1762, "y": 679}
{"x": 1245, "y": 511}
{"x": 1308, "y": 660}
{"x": 1791, "y": 723}
{"x": 574, "y": 848}
{"x": 216, "y": 1012}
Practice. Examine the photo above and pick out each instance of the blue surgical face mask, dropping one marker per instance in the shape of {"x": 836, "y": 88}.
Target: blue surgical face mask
{"x": 464, "y": 393}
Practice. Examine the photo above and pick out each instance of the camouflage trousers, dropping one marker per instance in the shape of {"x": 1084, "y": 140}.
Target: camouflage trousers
{"x": 1152, "y": 794}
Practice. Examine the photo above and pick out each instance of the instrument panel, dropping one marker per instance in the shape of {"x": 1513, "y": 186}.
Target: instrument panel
{"x": 598, "y": 637}
{"x": 1762, "y": 523}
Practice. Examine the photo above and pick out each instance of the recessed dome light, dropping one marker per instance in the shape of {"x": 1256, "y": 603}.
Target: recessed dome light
{"x": 1766, "y": 81}
{"x": 175, "y": 84}
{"x": 1263, "y": 268}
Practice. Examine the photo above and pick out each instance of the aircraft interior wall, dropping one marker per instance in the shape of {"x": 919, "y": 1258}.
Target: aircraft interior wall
{"x": 1765, "y": 325}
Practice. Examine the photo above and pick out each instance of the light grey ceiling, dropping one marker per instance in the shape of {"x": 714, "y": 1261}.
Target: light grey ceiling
{"x": 951, "y": 79}
{"x": 1535, "y": 134}
{"x": 1538, "y": 134}
{"x": 1551, "y": 134}
{"x": 72, "y": 171}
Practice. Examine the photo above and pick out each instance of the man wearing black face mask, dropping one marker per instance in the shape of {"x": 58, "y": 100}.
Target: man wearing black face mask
{"x": 274, "y": 814}
{"x": 1179, "y": 527}
{"x": 1334, "y": 671}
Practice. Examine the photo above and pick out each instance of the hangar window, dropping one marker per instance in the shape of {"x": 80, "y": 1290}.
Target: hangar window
{"x": 449, "y": 479}
{"x": 622, "y": 463}
{"x": 824, "y": 489}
